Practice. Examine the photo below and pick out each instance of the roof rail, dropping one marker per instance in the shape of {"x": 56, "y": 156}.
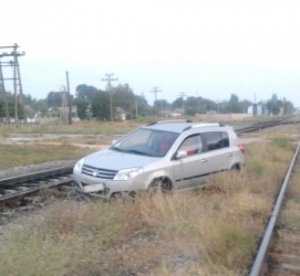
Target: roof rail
{"x": 206, "y": 125}
{"x": 203, "y": 125}
{"x": 170, "y": 121}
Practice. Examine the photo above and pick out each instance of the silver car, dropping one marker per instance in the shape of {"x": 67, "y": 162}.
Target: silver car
{"x": 163, "y": 155}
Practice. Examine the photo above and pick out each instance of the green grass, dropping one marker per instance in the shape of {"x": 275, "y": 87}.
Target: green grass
{"x": 282, "y": 142}
{"x": 18, "y": 155}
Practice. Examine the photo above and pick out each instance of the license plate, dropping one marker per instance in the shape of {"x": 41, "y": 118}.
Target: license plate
{"x": 93, "y": 188}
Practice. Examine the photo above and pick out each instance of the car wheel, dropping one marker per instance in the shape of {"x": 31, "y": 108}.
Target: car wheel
{"x": 236, "y": 167}
{"x": 163, "y": 185}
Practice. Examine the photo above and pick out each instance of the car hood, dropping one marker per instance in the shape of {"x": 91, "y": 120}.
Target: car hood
{"x": 115, "y": 160}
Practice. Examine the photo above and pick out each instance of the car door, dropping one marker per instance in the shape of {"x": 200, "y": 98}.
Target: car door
{"x": 216, "y": 150}
{"x": 190, "y": 169}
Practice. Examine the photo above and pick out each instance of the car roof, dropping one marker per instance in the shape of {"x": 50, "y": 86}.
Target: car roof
{"x": 180, "y": 126}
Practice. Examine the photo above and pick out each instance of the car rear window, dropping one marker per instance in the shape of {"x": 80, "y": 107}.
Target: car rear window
{"x": 215, "y": 140}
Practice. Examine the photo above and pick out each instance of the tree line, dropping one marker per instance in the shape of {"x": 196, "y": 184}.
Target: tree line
{"x": 92, "y": 102}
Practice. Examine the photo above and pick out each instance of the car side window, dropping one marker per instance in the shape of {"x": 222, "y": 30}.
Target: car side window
{"x": 192, "y": 145}
{"x": 215, "y": 140}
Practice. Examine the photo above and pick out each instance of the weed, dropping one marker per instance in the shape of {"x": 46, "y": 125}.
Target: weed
{"x": 281, "y": 142}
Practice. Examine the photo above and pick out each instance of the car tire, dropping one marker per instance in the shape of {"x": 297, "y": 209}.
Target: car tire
{"x": 163, "y": 185}
{"x": 236, "y": 167}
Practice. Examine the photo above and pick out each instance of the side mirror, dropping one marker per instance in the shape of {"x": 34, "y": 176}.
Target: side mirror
{"x": 114, "y": 141}
{"x": 181, "y": 154}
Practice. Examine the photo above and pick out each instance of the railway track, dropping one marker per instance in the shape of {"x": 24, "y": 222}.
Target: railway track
{"x": 279, "y": 250}
{"x": 263, "y": 125}
{"x": 23, "y": 185}
{"x": 20, "y": 186}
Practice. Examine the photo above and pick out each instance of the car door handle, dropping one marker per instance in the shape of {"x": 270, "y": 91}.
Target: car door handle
{"x": 203, "y": 160}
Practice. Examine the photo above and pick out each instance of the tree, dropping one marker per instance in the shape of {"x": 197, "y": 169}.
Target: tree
{"x": 85, "y": 98}
{"x": 100, "y": 106}
{"x": 200, "y": 105}
{"x": 123, "y": 97}
{"x": 85, "y": 91}
{"x": 54, "y": 99}
{"x": 178, "y": 103}
{"x": 161, "y": 106}
{"x": 234, "y": 104}
{"x": 274, "y": 105}
{"x": 288, "y": 106}
{"x": 143, "y": 107}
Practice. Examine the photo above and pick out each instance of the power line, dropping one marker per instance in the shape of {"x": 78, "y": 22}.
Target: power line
{"x": 109, "y": 78}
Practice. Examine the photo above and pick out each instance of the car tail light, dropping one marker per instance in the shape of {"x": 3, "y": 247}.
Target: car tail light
{"x": 242, "y": 148}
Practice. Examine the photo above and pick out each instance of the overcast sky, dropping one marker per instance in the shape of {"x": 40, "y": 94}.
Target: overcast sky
{"x": 205, "y": 48}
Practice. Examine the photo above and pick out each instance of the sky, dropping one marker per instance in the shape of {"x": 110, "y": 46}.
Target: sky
{"x": 203, "y": 48}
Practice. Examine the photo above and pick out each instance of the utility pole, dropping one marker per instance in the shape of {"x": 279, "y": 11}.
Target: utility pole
{"x": 3, "y": 93}
{"x": 155, "y": 90}
{"x": 13, "y": 63}
{"x": 182, "y": 95}
{"x": 16, "y": 93}
{"x": 136, "y": 109}
{"x": 69, "y": 98}
{"x": 109, "y": 78}
{"x": 64, "y": 104}
{"x": 255, "y": 107}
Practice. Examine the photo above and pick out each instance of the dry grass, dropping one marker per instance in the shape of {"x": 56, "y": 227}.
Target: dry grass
{"x": 18, "y": 155}
{"x": 290, "y": 216}
{"x": 107, "y": 128}
{"x": 84, "y": 127}
{"x": 210, "y": 232}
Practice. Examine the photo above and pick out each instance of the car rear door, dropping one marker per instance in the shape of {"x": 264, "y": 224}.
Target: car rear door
{"x": 216, "y": 150}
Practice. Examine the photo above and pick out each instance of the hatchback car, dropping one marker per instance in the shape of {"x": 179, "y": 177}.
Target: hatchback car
{"x": 163, "y": 155}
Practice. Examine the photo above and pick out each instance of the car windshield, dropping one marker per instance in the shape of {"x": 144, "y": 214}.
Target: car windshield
{"x": 148, "y": 142}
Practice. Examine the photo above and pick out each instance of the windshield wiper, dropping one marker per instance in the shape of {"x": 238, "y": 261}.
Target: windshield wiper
{"x": 118, "y": 149}
{"x": 136, "y": 151}
{"x": 132, "y": 151}
{"x": 139, "y": 152}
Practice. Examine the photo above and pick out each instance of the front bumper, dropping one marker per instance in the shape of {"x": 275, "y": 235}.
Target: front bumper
{"x": 102, "y": 187}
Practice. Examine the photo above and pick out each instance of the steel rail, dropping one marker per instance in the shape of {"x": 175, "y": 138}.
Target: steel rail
{"x": 22, "y": 185}
{"x": 38, "y": 187}
{"x": 38, "y": 175}
{"x": 257, "y": 266}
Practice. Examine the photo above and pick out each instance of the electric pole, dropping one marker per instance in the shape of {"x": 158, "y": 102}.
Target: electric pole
{"x": 109, "y": 78}
{"x": 69, "y": 98}
{"x": 155, "y": 90}
{"x": 13, "y": 63}
{"x": 182, "y": 95}
{"x": 136, "y": 109}
{"x": 3, "y": 93}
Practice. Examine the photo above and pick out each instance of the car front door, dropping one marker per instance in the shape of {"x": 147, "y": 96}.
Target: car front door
{"x": 191, "y": 166}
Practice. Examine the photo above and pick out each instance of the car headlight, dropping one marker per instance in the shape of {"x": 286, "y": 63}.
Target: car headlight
{"x": 78, "y": 165}
{"x": 127, "y": 174}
